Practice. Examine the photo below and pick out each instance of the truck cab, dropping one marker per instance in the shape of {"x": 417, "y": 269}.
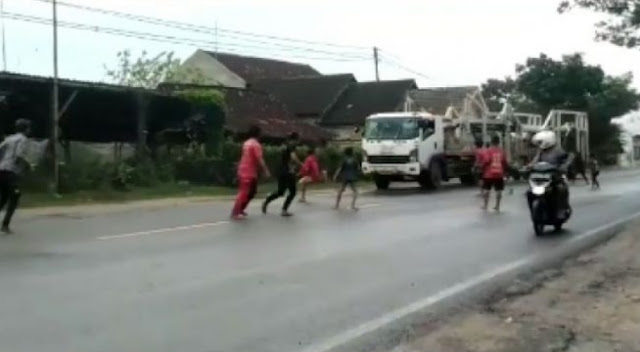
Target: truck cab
{"x": 404, "y": 146}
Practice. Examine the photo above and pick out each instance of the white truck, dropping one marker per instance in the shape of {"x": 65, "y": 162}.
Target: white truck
{"x": 415, "y": 146}
{"x": 429, "y": 149}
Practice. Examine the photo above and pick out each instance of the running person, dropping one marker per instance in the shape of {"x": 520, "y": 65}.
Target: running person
{"x": 286, "y": 176}
{"x": 309, "y": 173}
{"x": 348, "y": 173}
{"x": 494, "y": 166}
{"x": 13, "y": 162}
{"x": 250, "y": 162}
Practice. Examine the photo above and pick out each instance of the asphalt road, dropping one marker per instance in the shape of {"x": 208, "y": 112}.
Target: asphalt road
{"x": 186, "y": 279}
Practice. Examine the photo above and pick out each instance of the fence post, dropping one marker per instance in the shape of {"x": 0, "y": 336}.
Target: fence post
{"x": 141, "y": 130}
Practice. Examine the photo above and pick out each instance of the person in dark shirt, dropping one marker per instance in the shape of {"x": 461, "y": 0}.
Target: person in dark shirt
{"x": 348, "y": 174}
{"x": 286, "y": 176}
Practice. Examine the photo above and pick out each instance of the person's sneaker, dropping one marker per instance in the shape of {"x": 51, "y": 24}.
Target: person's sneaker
{"x": 286, "y": 214}
{"x": 244, "y": 213}
{"x": 6, "y": 230}
{"x": 237, "y": 217}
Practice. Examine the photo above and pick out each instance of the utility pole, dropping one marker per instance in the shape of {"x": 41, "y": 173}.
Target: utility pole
{"x": 4, "y": 39}
{"x": 55, "y": 116}
{"x": 376, "y": 61}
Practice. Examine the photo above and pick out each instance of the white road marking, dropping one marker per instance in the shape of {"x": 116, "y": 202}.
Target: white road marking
{"x": 365, "y": 206}
{"x": 163, "y": 230}
{"x": 375, "y": 324}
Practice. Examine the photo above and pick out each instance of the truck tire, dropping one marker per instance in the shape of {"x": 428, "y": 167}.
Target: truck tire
{"x": 382, "y": 183}
{"x": 432, "y": 178}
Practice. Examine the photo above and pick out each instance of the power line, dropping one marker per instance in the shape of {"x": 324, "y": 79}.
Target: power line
{"x": 395, "y": 63}
{"x": 175, "y": 40}
{"x": 197, "y": 28}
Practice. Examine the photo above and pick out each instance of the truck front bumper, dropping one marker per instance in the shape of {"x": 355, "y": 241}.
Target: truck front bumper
{"x": 408, "y": 169}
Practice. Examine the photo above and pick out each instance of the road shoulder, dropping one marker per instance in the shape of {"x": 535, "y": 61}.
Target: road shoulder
{"x": 589, "y": 303}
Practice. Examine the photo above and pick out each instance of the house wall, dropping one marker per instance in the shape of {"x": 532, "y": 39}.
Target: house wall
{"x": 214, "y": 72}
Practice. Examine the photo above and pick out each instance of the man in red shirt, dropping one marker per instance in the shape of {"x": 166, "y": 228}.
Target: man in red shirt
{"x": 493, "y": 172}
{"x": 248, "y": 167}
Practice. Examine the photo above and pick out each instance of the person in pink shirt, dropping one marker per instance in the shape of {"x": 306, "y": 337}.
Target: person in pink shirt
{"x": 249, "y": 166}
{"x": 309, "y": 173}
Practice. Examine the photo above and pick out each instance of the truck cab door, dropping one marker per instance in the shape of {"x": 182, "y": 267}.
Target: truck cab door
{"x": 431, "y": 142}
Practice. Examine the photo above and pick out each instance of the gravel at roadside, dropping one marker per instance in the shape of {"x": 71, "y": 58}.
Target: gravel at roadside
{"x": 589, "y": 304}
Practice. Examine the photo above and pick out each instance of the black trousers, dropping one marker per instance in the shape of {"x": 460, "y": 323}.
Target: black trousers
{"x": 286, "y": 184}
{"x": 9, "y": 195}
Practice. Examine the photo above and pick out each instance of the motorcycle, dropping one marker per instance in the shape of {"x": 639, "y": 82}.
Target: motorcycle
{"x": 541, "y": 197}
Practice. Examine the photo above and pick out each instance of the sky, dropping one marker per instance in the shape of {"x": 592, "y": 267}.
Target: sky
{"x": 437, "y": 42}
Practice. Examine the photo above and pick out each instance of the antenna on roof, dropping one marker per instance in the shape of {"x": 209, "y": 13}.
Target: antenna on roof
{"x": 215, "y": 33}
{"x": 4, "y": 39}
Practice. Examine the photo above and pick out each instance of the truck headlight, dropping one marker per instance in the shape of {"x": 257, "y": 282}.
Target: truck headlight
{"x": 413, "y": 156}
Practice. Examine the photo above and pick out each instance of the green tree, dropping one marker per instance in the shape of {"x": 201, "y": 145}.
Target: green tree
{"x": 623, "y": 26}
{"x": 149, "y": 71}
{"x": 498, "y": 91}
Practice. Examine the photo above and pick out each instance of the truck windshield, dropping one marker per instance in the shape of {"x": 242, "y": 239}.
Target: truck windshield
{"x": 391, "y": 128}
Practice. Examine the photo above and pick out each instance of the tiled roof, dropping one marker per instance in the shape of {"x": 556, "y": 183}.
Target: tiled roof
{"x": 366, "y": 98}
{"x": 307, "y": 96}
{"x": 255, "y": 68}
{"x": 248, "y": 107}
{"x": 437, "y": 100}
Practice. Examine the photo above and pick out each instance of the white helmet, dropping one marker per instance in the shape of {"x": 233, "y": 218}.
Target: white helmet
{"x": 544, "y": 139}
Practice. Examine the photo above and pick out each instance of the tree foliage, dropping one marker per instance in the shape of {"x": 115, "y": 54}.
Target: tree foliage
{"x": 542, "y": 84}
{"x": 149, "y": 71}
{"x": 623, "y": 26}
{"x": 496, "y": 92}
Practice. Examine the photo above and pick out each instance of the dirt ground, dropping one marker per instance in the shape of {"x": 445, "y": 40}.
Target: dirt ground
{"x": 589, "y": 304}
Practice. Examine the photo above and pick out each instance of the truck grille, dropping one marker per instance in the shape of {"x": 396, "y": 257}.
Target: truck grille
{"x": 388, "y": 159}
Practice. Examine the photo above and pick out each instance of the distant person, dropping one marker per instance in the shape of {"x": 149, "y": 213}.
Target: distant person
{"x": 579, "y": 168}
{"x": 251, "y": 162}
{"x": 286, "y": 176}
{"x": 309, "y": 173}
{"x": 494, "y": 167}
{"x": 13, "y": 163}
{"x": 348, "y": 173}
{"x": 594, "y": 169}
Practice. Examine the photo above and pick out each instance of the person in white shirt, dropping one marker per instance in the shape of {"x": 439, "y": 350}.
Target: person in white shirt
{"x": 13, "y": 163}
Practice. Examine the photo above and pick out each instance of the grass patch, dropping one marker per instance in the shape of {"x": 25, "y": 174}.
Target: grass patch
{"x": 164, "y": 191}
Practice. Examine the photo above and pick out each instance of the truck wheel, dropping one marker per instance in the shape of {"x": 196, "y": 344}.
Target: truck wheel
{"x": 432, "y": 178}
{"x": 382, "y": 183}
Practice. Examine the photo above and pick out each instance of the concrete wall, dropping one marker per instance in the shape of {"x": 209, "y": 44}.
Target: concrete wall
{"x": 213, "y": 71}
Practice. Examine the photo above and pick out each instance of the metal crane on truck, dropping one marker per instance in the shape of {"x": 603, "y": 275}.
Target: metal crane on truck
{"x": 429, "y": 149}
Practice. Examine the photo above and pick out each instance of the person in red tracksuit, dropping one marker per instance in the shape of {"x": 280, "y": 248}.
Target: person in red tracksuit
{"x": 248, "y": 167}
{"x": 309, "y": 173}
{"x": 493, "y": 172}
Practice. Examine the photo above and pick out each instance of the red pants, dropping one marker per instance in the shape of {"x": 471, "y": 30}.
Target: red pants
{"x": 247, "y": 188}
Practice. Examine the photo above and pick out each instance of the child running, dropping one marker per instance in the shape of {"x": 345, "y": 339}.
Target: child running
{"x": 348, "y": 173}
{"x": 309, "y": 173}
{"x": 594, "y": 168}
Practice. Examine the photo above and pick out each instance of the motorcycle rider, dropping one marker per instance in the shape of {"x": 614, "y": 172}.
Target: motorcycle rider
{"x": 550, "y": 152}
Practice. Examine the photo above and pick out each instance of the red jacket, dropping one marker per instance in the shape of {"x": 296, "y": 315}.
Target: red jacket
{"x": 494, "y": 163}
{"x": 311, "y": 168}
